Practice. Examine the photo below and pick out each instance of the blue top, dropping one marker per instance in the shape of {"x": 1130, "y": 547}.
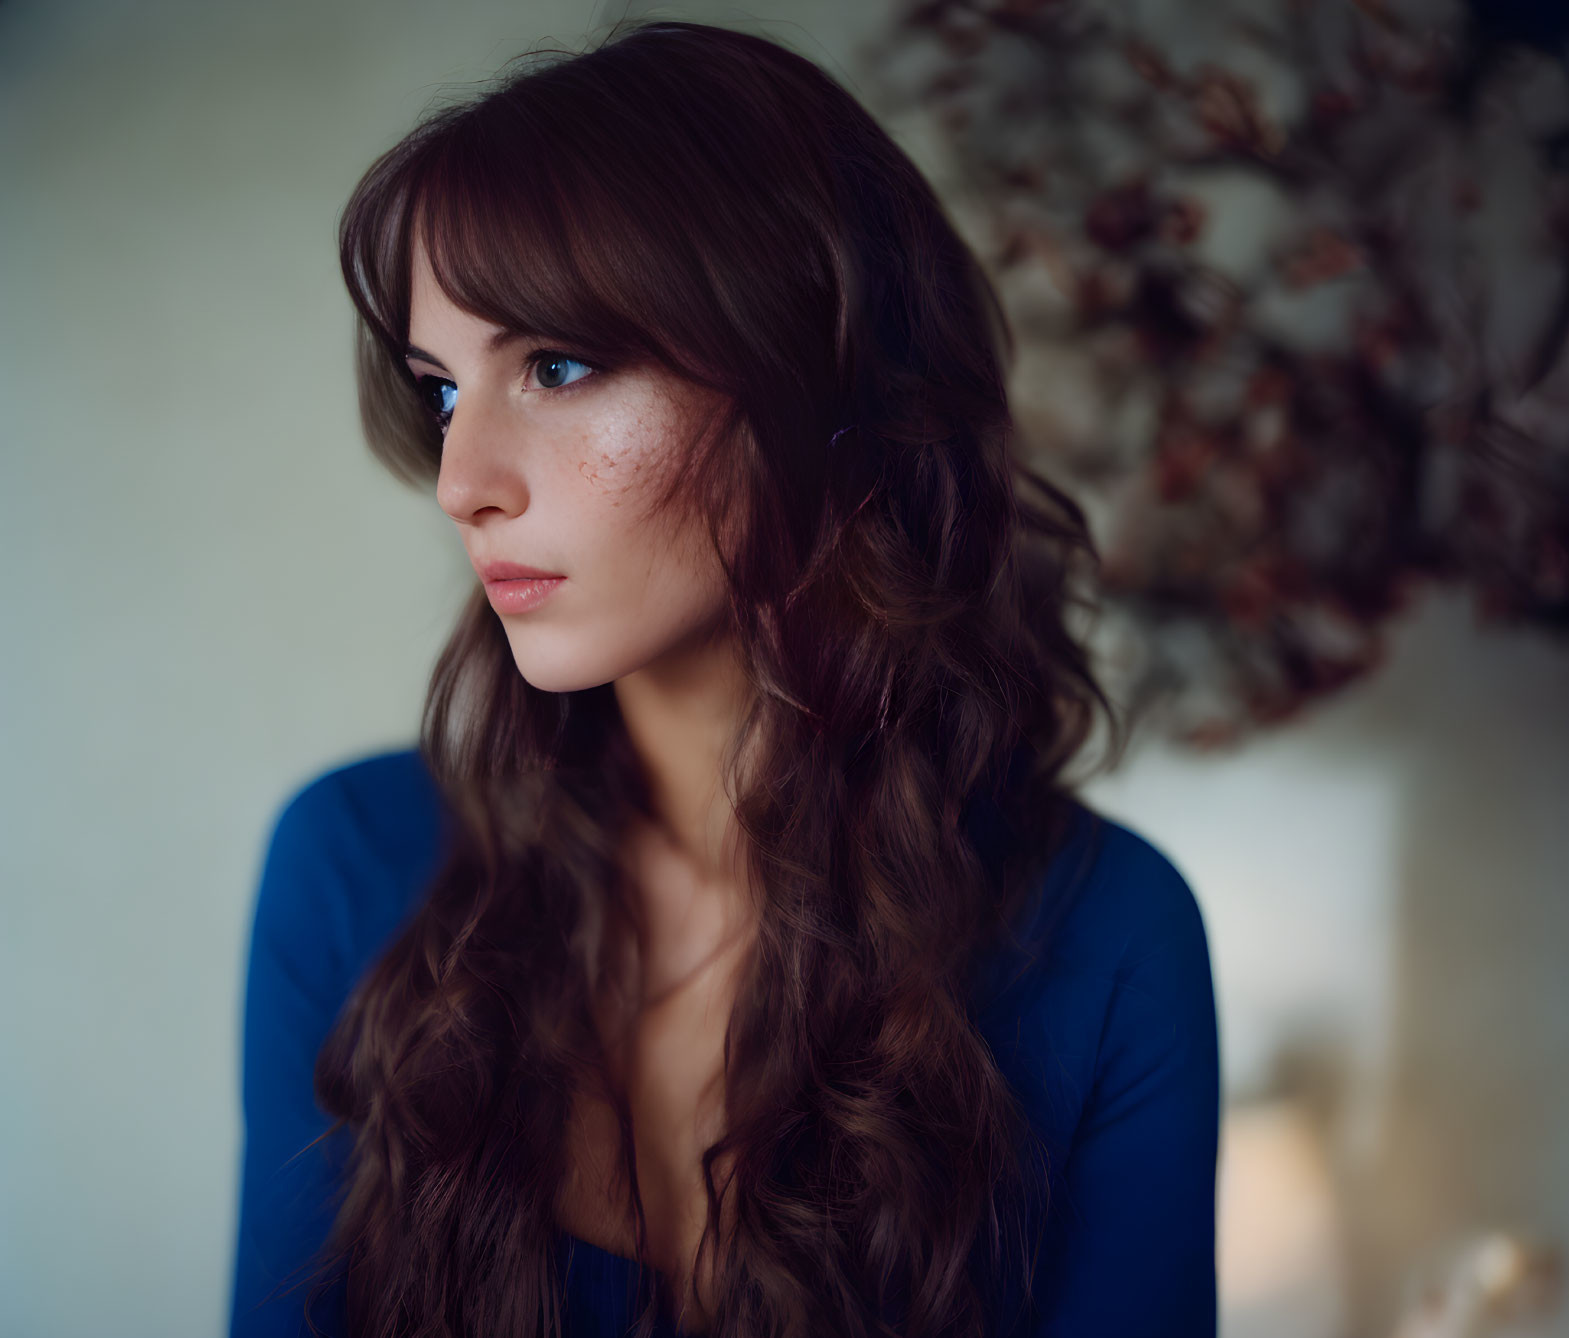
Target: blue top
{"x": 1108, "y": 1035}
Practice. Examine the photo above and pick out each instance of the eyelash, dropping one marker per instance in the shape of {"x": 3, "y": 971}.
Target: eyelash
{"x": 425, "y": 382}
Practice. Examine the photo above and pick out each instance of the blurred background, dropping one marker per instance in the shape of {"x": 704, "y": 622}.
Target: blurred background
{"x": 1289, "y": 285}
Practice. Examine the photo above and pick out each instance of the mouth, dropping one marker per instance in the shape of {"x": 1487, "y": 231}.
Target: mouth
{"x": 513, "y": 587}
{"x": 491, "y": 572}
{"x": 521, "y": 596}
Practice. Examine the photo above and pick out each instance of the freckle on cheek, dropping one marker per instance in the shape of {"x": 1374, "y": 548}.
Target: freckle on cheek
{"x": 599, "y": 472}
{"x": 602, "y": 472}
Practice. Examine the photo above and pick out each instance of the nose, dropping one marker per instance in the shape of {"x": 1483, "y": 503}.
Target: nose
{"x": 481, "y": 461}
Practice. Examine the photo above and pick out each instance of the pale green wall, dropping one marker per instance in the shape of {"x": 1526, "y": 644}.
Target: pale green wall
{"x": 211, "y": 592}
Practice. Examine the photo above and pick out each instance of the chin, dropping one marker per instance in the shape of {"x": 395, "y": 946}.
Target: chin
{"x": 552, "y": 680}
{"x": 571, "y": 671}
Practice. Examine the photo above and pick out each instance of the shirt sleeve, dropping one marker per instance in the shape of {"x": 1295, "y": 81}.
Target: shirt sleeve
{"x": 1129, "y": 1249}
{"x": 288, "y": 1180}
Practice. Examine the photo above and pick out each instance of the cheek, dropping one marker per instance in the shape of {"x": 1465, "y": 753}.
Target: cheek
{"x": 629, "y": 453}
{"x": 652, "y": 573}
{"x": 652, "y": 578}
{"x": 660, "y": 567}
{"x": 612, "y": 475}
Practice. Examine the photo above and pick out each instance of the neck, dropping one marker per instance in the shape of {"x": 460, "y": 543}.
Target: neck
{"x": 681, "y": 714}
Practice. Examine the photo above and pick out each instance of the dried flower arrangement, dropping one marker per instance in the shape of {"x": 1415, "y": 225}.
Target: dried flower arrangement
{"x": 1290, "y": 284}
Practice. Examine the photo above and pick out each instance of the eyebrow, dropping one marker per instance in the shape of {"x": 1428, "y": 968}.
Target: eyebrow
{"x": 413, "y": 351}
{"x": 497, "y": 341}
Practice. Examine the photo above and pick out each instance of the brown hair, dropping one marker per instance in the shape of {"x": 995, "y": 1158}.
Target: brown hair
{"x": 899, "y": 593}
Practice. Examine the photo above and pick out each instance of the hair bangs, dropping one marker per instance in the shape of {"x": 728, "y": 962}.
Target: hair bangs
{"x": 587, "y": 246}
{"x": 527, "y": 242}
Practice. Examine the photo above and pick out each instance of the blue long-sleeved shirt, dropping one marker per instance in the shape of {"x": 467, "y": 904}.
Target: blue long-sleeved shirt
{"x": 1106, "y": 1028}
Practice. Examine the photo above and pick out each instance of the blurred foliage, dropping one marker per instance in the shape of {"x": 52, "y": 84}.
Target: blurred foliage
{"x": 1290, "y": 286}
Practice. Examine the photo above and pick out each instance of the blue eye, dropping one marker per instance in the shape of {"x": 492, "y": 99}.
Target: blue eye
{"x": 439, "y": 396}
{"x": 551, "y": 364}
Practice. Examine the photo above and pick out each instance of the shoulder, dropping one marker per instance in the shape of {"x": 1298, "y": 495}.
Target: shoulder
{"x": 389, "y": 797}
{"x": 1139, "y": 927}
{"x": 1107, "y": 899}
{"x": 1109, "y": 981}
{"x": 1133, "y": 900}
{"x": 350, "y": 850}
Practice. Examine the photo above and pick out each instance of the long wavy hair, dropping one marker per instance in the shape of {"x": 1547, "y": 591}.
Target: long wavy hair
{"x": 901, "y": 595}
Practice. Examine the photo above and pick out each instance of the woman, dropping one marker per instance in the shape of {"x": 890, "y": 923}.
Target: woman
{"x": 730, "y": 957}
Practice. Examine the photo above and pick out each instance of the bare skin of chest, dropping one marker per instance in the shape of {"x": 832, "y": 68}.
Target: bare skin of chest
{"x": 665, "y": 1041}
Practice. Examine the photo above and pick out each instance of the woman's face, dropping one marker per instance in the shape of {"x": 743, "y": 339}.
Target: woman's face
{"x": 546, "y": 463}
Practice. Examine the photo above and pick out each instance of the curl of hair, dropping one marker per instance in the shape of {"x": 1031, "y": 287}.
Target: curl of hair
{"x": 710, "y": 200}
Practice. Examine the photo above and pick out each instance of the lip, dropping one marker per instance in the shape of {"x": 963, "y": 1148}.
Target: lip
{"x": 521, "y": 595}
{"x": 514, "y": 571}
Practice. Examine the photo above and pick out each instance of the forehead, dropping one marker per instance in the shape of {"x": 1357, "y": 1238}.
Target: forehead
{"x": 428, "y": 302}
{"x": 435, "y": 321}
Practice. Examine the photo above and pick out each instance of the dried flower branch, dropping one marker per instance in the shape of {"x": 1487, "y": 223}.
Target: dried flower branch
{"x": 1291, "y": 290}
